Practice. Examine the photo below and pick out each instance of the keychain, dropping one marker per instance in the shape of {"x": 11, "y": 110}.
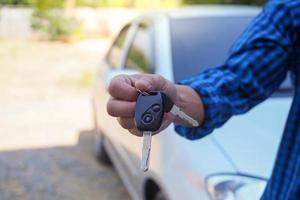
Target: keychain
{"x": 149, "y": 112}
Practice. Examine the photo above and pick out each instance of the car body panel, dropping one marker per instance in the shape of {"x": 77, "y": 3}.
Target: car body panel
{"x": 239, "y": 136}
{"x": 182, "y": 164}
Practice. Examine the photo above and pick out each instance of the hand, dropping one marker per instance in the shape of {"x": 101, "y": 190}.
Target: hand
{"x": 124, "y": 94}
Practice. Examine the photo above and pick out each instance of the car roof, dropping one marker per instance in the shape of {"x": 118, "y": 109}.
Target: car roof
{"x": 206, "y": 11}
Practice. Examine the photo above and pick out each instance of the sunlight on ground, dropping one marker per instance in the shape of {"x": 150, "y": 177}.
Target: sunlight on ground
{"x": 46, "y": 146}
{"x": 45, "y": 92}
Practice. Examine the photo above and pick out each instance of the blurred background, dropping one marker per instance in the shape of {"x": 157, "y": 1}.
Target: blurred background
{"x": 49, "y": 51}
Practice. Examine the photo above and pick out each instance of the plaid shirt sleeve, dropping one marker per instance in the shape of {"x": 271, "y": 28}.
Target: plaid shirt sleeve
{"x": 258, "y": 62}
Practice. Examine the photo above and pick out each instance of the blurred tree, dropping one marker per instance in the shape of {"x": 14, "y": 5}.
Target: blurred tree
{"x": 17, "y": 2}
{"x": 54, "y": 20}
{"x": 107, "y": 3}
{"x": 91, "y": 3}
{"x": 43, "y": 5}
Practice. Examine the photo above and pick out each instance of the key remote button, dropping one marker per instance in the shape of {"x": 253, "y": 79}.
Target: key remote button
{"x": 156, "y": 108}
{"x": 147, "y": 118}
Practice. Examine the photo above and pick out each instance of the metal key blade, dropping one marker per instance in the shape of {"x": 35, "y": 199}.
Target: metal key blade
{"x": 177, "y": 112}
{"x": 146, "y": 150}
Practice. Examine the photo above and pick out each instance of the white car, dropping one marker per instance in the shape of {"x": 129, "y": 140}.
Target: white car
{"x": 236, "y": 160}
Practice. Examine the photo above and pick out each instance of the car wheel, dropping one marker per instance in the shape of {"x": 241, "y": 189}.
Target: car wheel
{"x": 159, "y": 196}
{"x": 100, "y": 151}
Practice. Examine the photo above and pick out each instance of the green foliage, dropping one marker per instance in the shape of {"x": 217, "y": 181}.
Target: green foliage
{"x": 54, "y": 25}
{"x": 43, "y": 5}
{"x": 91, "y": 3}
{"x": 17, "y": 2}
{"x": 49, "y": 19}
{"x": 39, "y": 4}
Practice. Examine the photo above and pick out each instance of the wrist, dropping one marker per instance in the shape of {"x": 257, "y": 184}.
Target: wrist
{"x": 189, "y": 101}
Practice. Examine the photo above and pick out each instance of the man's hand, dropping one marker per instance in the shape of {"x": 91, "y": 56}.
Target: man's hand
{"x": 124, "y": 94}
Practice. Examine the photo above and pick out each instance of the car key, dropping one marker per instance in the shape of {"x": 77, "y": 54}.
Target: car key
{"x": 149, "y": 111}
{"x": 148, "y": 119}
{"x": 147, "y": 135}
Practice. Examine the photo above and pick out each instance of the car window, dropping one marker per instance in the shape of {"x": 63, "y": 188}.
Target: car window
{"x": 114, "y": 54}
{"x": 139, "y": 55}
{"x": 202, "y": 43}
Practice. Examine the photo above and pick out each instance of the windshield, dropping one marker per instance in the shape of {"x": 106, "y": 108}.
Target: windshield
{"x": 201, "y": 43}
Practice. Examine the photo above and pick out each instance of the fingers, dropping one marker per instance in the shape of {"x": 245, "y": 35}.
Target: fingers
{"x": 122, "y": 87}
{"x": 126, "y": 122}
{"x": 123, "y": 91}
{"x": 119, "y": 108}
{"x": 129, "y": 124}
{"x": 147, "y": 82}
{"x": 154, "y": 82}
{"x": 144, "y": 84}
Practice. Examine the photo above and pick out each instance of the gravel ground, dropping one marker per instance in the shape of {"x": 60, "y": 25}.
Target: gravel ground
{"x": 46, "y": 127}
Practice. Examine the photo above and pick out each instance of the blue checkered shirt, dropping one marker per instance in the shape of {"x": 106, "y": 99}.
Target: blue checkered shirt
{"x": 258, "y": 63}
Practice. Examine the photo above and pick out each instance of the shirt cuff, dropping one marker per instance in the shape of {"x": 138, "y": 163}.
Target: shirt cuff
{"x": 209, "y": 100}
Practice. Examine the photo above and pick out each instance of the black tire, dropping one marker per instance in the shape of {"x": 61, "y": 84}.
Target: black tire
{"x": 159, "y": 196}
{"x": 100, "y": 151}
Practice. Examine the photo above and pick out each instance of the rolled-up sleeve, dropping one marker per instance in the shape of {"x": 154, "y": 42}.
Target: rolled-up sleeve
{"x": 257, "y": 64}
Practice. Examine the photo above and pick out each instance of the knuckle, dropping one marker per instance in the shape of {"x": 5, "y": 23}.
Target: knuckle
{"x": 160, "y": 81}
{"x": 159, "y": 77}
{"x": 123, "y": 123}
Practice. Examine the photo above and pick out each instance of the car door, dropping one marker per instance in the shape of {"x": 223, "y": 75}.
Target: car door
{"x": 111, "y": 65}
{"x": 131, "y": 53}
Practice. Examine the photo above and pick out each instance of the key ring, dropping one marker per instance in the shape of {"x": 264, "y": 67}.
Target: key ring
{"x": 143, "y": 93}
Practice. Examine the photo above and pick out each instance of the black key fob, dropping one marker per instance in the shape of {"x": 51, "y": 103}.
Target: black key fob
{"x": 149, "y": 111}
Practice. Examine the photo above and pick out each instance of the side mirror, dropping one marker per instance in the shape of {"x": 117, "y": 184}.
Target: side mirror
{"x": 111, "y": 73}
